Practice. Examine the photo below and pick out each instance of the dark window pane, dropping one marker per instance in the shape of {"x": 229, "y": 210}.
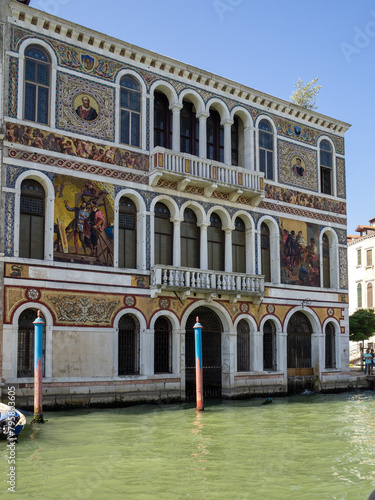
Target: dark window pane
{"x": 43, "y": 74}
{"x": 30, "y": 67}
{"x": 125, "y": 126}
{"x": 135, "y": 101}
{"x": 43, "y": 94}
{"x": 30, "y": 101}
{"x": 136, "y": 122}
{"x": 124, "y": 98}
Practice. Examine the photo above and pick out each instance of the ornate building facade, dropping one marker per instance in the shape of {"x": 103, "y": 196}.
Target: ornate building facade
{"x": 138, "y": 192}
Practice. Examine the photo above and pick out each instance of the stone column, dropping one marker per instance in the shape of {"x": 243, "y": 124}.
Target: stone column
{"x": 175, "y": 108}
{"x": 202, "y": 116}
{"x": 203, "y": 237}
{"x": 227, "y": 141}
{"x": 257, "y": 352}
{"x": 249, "y": 148}
{"x": 176, "y": 241}
{"x": 48, "y": 252}
{"x": 282, "y": 352}
{"x": 147, "y": 352}
{"x": 228, "y": 264}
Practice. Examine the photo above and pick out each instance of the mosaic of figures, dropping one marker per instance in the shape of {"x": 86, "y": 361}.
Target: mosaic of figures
{"x": 304, "y": 200}
{"x": 90, "y": 63}
{"x": 84, "y": 219}
{"x": 34, "y": 137}
{"x": 299, "y": 253}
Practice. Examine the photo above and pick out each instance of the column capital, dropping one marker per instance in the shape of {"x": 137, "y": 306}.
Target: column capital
{"x": 202, "y": 114}
{"x": 227, "y": 122}
{"x": 176, "y": 220}
{"x": 175, "y": 107}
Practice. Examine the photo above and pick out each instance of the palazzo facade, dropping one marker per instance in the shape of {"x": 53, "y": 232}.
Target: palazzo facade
{"x": 137, "y": 193}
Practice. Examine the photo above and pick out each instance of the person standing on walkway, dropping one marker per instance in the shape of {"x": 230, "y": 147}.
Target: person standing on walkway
{"x": 372, "y": 361}
{"x": 368, "y": 362}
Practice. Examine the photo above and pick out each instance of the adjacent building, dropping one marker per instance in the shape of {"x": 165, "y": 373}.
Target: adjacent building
{"x": 361, "y": 249}
{"x": 139, "y": 192}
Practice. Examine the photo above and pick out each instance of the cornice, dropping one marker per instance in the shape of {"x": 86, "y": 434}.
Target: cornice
{"x": 48, "y": 24}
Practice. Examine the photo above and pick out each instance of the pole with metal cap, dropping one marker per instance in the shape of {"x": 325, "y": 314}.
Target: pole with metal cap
{"x": 38, "y": 379}
{"x": 198, "y": 364}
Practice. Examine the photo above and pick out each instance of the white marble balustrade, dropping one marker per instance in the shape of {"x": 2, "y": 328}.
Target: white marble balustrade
{"x": 184, "y": 278}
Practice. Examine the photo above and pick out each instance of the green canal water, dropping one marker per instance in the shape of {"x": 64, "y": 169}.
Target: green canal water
{"x": 300, "y": 447}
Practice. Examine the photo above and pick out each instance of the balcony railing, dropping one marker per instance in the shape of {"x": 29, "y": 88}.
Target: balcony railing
{"x": 197, "y": 280}
{"x": 211, "y": 175}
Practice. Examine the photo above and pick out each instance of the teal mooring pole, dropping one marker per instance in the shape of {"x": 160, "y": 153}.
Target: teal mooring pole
{"x": 198, "y": 364}
{"x": 38, "y": 362}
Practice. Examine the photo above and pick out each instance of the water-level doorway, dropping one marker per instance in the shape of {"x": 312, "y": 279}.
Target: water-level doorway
{"x": 211, "y": 354}
{"x": 300, "y": 371}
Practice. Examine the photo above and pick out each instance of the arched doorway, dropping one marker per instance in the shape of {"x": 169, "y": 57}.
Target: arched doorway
{"x": 25, "y": 343}
{"x": 299, "y": 345}
{"x": 211, "y": 354}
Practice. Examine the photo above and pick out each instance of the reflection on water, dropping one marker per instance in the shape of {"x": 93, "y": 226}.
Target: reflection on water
{"x": 303, "y": 447}
{"x": 200, "y": 448}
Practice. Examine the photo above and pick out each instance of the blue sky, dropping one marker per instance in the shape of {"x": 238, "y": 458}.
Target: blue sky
{"x": 265, "y": 45}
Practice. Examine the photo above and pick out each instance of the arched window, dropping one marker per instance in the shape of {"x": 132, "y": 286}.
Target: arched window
{"x": 269, "y": 346}
{"x": 215, "y": 137}
{"x": 330, "y": 346}
{"x": 130, "y": 111}
{"x": 265, "y": 251}
{"x": 243, "y": 346}
{"x": 215, "y": 244}
{"x": 163, "y": 235}
{"x": 127, "y": 238}
{"x": 25, "y": 348}
{"x": 266, "y": 149}
{"x": 326, "y": 165}
{"x": 37, "y": 85}
{"x": 190, "y": 247}
{"x": 128, "y": 345}
{"x": 162, "y": 121}
{"x": 326, "y": 262}
{"x": 359, "y": 295}
{"x": 239, "y": 246}
{"x": 189, "y": 129}
{"x": 370, "y": 296}
{"x": 162, "y": 346}
{"x": 31, "y": 240}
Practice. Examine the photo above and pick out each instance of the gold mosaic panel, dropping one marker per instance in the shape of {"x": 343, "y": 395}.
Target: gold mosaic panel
{"x": 297, "y": 166}
{"x": 14, "y": 296}
{"x": 71, "y": 308}
{"x": 16, "y": 271}
{"x": 340, "y": 174}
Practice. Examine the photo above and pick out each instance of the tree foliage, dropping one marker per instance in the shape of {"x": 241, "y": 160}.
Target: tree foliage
{"x": 361, "y": 325}
{"x": 306, "y": 95}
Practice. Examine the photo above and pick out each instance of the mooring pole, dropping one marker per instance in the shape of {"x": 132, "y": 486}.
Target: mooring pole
{"x": 38, "y": 360}
{"x": 198, "y": 364}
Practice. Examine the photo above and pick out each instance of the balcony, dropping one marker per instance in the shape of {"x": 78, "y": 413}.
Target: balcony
{"x": 211, "y": 283}
{"x": 208, "y": 175}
